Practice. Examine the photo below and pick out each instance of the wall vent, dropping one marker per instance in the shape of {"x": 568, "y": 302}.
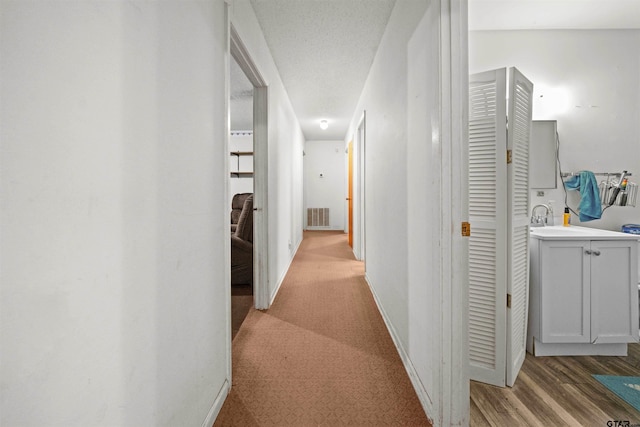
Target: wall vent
{"x": 317, "y": 217}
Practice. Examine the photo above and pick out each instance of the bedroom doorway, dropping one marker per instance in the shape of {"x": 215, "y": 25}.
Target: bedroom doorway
{"x": 259, "y": 173}
{"x": 359, "y": 190}
{"x": 240, "y": 188}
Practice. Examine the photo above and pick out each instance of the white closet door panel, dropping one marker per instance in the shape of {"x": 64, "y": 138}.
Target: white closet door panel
{"x": 488, "y": 218}
{"x": 518, "y": 142}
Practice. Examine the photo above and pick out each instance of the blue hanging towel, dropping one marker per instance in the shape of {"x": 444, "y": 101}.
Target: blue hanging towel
{"x": 590, "y": 206}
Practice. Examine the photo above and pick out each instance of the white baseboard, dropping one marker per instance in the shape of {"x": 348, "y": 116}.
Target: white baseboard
{"x": 578, "y": 349}
{"x": 217, "y": 405}
{"x": 284, "y": 273}
{"x": 425, "y": 400}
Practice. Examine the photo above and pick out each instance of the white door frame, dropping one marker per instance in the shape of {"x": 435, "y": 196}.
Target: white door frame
{"x": 260, "y": 170}
{"x": 359, "y": 229}
{"x": 454, "y": 94}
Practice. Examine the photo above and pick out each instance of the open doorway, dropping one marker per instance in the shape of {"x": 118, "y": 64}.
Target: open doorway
{"x": 250, "y": 157}
{"x": 358, "y": 176}
{"x": 241, "y": 187}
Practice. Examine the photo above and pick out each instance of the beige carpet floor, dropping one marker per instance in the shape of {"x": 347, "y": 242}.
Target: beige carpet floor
{"x": 321, "y": 355}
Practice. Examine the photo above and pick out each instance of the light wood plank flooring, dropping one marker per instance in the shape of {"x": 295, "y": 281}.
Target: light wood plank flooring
{"x": 557, "y": 391}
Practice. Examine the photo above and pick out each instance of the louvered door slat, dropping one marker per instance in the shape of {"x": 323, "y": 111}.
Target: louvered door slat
{"x": 520, "y": 106}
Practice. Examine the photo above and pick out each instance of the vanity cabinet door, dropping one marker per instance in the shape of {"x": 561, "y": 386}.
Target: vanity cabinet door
{"x": 565, "y": 292}
{"x": 614, "y": 296}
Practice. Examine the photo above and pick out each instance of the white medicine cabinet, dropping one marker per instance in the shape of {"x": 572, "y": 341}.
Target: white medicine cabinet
{"x": 543, "y": 172}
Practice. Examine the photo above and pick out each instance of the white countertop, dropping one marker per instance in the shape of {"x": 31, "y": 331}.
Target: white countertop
{"x": 574, "y": 232}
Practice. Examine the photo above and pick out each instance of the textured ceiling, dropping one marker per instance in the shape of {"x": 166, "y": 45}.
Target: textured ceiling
{"x": 324, "y": 48}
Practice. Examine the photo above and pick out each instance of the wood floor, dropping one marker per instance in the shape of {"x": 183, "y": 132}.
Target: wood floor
{"x": 558, "y": 391}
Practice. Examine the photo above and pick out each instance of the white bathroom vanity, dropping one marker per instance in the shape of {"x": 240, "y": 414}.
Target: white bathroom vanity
{"x": 583, "y": 291}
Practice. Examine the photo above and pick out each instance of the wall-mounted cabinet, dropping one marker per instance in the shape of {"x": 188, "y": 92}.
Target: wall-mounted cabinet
{"x": 542, "y": 158}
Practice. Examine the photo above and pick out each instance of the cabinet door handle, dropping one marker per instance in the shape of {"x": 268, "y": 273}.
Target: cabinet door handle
{"x": 587, "y": 251}
{"x": 596, "y": 253}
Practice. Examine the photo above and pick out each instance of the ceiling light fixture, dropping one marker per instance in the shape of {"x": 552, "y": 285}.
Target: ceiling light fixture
{"x": 324, "y": 124}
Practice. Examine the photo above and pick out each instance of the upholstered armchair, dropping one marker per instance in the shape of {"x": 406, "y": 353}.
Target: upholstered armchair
{"x": 242, "y": 246}
{"x": 236, "y": 208}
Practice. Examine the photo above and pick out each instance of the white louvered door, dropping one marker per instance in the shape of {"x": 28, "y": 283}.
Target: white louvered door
{"x": 518, "y": 136}
{"x": 488, "y": 218}
{"x": 498, "y": 213}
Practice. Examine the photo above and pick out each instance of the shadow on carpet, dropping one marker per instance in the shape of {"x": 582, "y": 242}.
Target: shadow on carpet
{"x": 627, "y": 388}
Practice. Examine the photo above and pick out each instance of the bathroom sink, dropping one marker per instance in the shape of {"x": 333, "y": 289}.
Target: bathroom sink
{"x": 574, "y": 232}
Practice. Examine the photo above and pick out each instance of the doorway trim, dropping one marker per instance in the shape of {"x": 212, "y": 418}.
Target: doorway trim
{"x": 359, "y": 196}
{"x": 454, "y": 87}
{"x": 350, "y": 192}
{"x": 260, "y": 170}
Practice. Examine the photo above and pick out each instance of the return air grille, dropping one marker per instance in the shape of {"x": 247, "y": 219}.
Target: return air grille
{"x": 318, "y": 217}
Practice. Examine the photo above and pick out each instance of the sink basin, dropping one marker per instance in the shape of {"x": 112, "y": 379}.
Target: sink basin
{"x": 574, "y": 232}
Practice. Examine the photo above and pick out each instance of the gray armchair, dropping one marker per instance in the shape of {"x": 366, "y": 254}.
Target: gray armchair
{"x": 236, "y": 208}
{"x": 242, "y": 246}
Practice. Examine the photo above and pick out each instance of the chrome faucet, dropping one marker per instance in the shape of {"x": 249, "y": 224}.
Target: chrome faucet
{"x": 539, "y": 220}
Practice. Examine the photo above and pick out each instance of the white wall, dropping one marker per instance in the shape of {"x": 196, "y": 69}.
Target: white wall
{"x": 407, "y": 191}
{"x": 598, "y": 73}
{"x": 385, "y": 100}
{"x": 286, "y": 143}
{"x": 324, "y": 180}
{"x": 114, "y": 298}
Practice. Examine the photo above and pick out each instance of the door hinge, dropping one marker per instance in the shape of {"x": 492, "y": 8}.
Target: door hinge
{"x": 509, "y": 156}
{"x": 466, "y": 229}
{"x": 508, "y": 300}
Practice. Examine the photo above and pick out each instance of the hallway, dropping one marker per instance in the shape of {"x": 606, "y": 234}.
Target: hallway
{"x": 321, "y": 355}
